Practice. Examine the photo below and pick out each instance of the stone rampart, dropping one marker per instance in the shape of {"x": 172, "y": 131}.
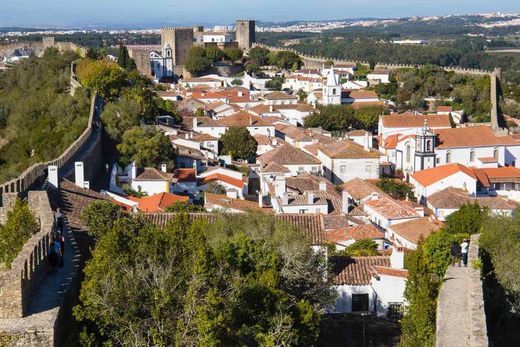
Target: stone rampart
{"x": 477, "y": 314}
{"x": 29, "y": 268}
{"x": 313, "y": 62}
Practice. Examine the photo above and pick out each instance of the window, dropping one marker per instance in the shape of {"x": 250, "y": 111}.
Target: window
{"x": 472, "y": 155}
{"x": 359, "y": 302}
{"x": 368, "y": 168}
{"x": 395, "y": 310}
{"x": 334, "y": 91}
{"x": 495, "y": 153}
{"x": 438, "y": 160}
{"x": 342, "y": 169}
{"x": 302, "y": 211}
{"x": 428, "y": 145}
{"x": 300, "y": 170}
{"x": 448, "y": 157}
{"x": 408, "y": 153}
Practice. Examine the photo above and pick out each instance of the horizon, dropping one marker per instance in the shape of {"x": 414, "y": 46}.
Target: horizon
{"x": 119, "y": 13}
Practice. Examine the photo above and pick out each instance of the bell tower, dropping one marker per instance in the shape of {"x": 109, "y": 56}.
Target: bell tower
{"x": 425, "y": 148}
{"x": 332, "y": 89}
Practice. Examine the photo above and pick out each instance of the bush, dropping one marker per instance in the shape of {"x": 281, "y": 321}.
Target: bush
{"x": 19, "y": 227}
{"x": 396, "y": 189}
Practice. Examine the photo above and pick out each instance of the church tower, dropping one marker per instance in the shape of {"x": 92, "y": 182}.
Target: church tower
{"x": 167, "y": 55}
{"x": 332, "y": 89}
{"x": 424, "y": 148}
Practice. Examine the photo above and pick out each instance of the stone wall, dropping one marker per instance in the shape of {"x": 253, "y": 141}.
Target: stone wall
{"x": 19, "y": 282}
{"x": 314, "y": 62}
{"x": 477, "y": 314}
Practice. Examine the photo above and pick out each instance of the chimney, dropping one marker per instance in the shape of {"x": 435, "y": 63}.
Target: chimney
{"x": 368, "y": 141}
{"x": 195, "y": 166}
{"x": 240, "y": 93}
{"x": 271, "y": 108}
{"x": 191, "y": 135}
{"x": 250, "y": 120}
{"x": 279, "y": 186}
{"x": 232, "y": 193}
{"x": 53, "y": 175}
{"x": 260, "y": 200}
{"x": 374, "y": 196}
{"x": 187, "y": 136}
{"x": 275, "y": 142}
{"x": 285, "y": 199}
{"x": 310, "y": 198}
{"x": 86, "y": 184}
{"x": 133, "y": 171}
{"x": 79, "y": 174}
{"x": 195, "y": 122}
{"x": 345, "y": 204}
{"x": 323, "y": 186}
{"x": 163, "y": 167}
{"x": 397, "y": 258}
{"x": 419, "y": 211}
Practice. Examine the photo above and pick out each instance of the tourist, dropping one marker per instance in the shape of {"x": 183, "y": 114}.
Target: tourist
{"x": 58, "y": 218}
{"x": 464, "y": 250}
{"x": 54, "y": 254}
{"x": 455, "y": 253}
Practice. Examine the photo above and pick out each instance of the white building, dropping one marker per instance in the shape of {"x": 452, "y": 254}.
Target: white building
{"x": 152, "y": 181}
{"x": 379, "y": 76}
{"x": 408, "y": 234}
{"x": 162, "y": 64}
{"x": 294, "y": 160}
{"x": 332, "y": 89}
{"x": 385, "y": 211}
{"x": 233, "y": 181}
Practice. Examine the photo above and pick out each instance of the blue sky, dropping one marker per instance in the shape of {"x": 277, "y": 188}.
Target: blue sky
{"x": 73, "y": 13}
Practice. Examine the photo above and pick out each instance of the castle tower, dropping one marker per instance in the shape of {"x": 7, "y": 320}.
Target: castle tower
{"x": 497, "y": 119}
{"x": 48, "y": 42}
{"x": 245, "y": 33}
{"x": 332, "y": 89}
{"x": 180, "y": 41}
{"x": 424, "y": 148}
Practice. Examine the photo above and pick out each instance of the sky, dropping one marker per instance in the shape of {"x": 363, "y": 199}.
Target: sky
{"x": 86, "y": 13}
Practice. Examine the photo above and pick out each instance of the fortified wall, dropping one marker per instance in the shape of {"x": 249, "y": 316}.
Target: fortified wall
{"x": 39, "y": 47}
{"x": 315, "y": 62}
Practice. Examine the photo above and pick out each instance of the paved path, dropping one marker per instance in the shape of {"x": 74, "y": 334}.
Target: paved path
{"x": 453, "y": 327}
{"x": 51, "y": 290}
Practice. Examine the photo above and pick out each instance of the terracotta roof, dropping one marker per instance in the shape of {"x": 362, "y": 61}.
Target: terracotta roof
{"x": 358, "y": 232}
{"x": 413, "y": 229}
{"x": 430, "y": 176}
{"x": 356, "y": 105}
{"x": 274, "y": 168}
{"x": 444, "y": 108}
{"x": 358, "y": 132}
{"x": 410, "y": 120}
{"x": 488, "y": 160}
{"x": 392, "y": 209}
{"x": 501, "y": 174}
{"x": 471, "y": 137}
{"x": 454, "y": 198}
{"x": 309, "y": 183}
{"x": 347, "y": 149}
{"x": 152, "y": 174}
{"x": 310, "y": 225}
{"x": 288, "y": 155}
{"x": 302, "y": 200}
{"x": 295, "y": 133}
{"x": 356, "y": 271}
{"x": 361, "y": 94}
{"x": 243, "y": 119}
{"x": 335, "y": 221}
{"x": 237, "y": 204}
{"x": 279, "y": 96}
{"x": 389, "y": 271}
{"x": 360, "y": 189}
{"x": 202, "y": 122}
{"x": 203, "y": 137}
{"x": 183, "y": 175}
{"x": 201, "y": 79}
{"x": 159, "y": 202}
{"x": 224, "y": 178}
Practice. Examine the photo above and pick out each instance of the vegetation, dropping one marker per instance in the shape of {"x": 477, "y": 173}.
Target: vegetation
{"x": 242, "y": 280}
{"x": 467, "y": 220}
{"x": 200, "y": 59}
{"x": 342, "y": 118}
{"x": 363, "y": 247}
{"x": 259, "y": 55}
{"x": 100, "y": 216}
{"x": 124, "y": 60}
{"x": 184, "y": 207}
{"x": 238, "y": 143}
{"x": 216, "y": 188}
{"x": 396, "y": 189}
{"x": 19, "y": 227}
{"x": 275, "y": 83}
{"x": 145, "y": 147}
{"x": 32, "y": 94}
{"x": 102, "y": 76}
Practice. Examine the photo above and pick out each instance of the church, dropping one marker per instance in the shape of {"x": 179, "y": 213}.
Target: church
{"x": 161, "y": 63}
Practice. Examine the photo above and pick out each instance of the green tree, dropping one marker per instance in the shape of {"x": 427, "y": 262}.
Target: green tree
{"x": 237, "y": 82}
{"x": 181, "y": 206}
{"x": 104, "y": 77}
{"x": 233, "y": 53}
{"x": 396, "y": 189}
{"x": 467, "y": 220}
{"x": 259, "y": 55}
{"x": 333, "y": 118}
{"x": 213, "y": 53}
{"x": 363, "y": 247}
{"x": 368, "y": 116}
{"x": 120, "y": 116}
{"x": 288, "y": 60}
{"x": 197, "y": 62}
{"x": 124, "y": 60}
{"x": 100, "y": 216}
{"x": 145, "y": 147}
{"x": 275, "y": 83}
{"x": 216, "y": 188}
{"x": 18, "y": 228}
{"x": 238, "y": 143}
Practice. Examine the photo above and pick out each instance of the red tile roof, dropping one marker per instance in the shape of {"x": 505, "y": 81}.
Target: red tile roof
{"x": 159, "y": 202}
{"x": 413, "y": 229}
{"x": 288, "y": 155}
{"x": 356, "y": 271}
{"x": 392, "y": 209}
{"x": 388, "y": 271}
{"x": 358, "y": 232}
{"x": 185, "y": 175}
{"x": 430, "y": 176}
{"x": 478, "y": 136}
{"x": 360, "y": 189}
{"x": 454, "y": 198}
{"x": 243, "y": 119}
{"x": 224, "y": 178}
{"x": 236, "y": 204}
{"x": 152, "y": 174}
{"x": 410, "y": 120}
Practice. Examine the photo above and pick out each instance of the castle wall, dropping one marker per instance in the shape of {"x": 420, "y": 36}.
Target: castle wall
{"x": 182, "y": 44}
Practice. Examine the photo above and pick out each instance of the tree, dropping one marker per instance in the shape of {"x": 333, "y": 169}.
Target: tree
{"x": 328, "y": 64}
{"x": 145, "y": 147}
{"x": 120, "y": 116}
{"x": 102, "y": 76}
{"x": 259, "y": 55}
{"x": 288, "y": 60}
{"x": 238, "y": 143}
{"x": 363, "y": 247}
{"x": 99, "y": 217}
{"x": 368, "y": 116}
{"x": 333, "y": 118}
{"x": 124, "y": 60}
{"x": 18, "y": 228}
{"x": 396, "y": 189}
{"x": 197, "y": 62}
{"x": 181, "y": 206}
{"x": 216, "y": 188}
{"x": 275, "y": 83}
{"x": 467, "y": 220}
{"x": 237, "y": 82}
{"x": 214, "y": 53}
{"x": 233, "y": 53}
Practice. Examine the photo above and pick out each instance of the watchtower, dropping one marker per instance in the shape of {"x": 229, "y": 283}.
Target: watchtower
{"x": 48, "y": 42}
{"x": 180, "y": 40}
{"x": 245, "y": 33}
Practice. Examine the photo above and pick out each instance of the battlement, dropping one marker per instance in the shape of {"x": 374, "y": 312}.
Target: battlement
{"x": 177, "y": 29}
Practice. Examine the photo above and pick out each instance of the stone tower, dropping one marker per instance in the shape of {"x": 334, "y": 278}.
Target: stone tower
{"x": 48, "y": 42}
{"x": 180, "y": 41}
{"x": 245, "y": 33}
{"x": 497, "y": 119}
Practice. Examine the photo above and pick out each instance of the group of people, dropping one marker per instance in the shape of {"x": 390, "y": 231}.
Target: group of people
{"x": 459, "y": 252}
{"x": 57, "y": 246}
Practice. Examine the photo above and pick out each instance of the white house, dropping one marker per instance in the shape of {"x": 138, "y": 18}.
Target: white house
{"x": 201, "y": 81}
{"x": 279, "y": 98}
{"x": 254, "y": 124}
{"x": 370, "y": 284}
{"x": 306, "y": 84}
{"x": 359, "y": 96}
{"x": 206, "y": 125}
{"x": 379, "y": 76}
{"x": 152, "y": 181}
{"x": 231, "y": 180}
{"x": 305, "y": 203}
{"x": 345, "y": 160}
{"x": 408, "y": 234}
{"x": 293, "y": 159}
{"x": 185, "y": 182}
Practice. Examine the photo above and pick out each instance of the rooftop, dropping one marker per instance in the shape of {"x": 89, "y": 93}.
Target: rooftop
{"x": 411, "y": 120}
{"x": 454, "y": 198}
{"x": 392, "y": 209}
{"x": 356, "y": 271}
{"x": 477, "y": 136}
{"x": 360, "y": 189}
{"x": 358, "y": 232}
{"x": 288, "y": 155}
{"x": 152, "y": 174}
{"x": 412, "y": 230}
{"x": 430, "y": 176}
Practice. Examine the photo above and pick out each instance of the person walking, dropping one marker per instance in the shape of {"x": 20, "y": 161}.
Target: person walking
{"x": 464, "y": 246}
{"x": 455, "y": 253}
{"x": 58, "y": 218}
{"x": 54, "y": 249}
